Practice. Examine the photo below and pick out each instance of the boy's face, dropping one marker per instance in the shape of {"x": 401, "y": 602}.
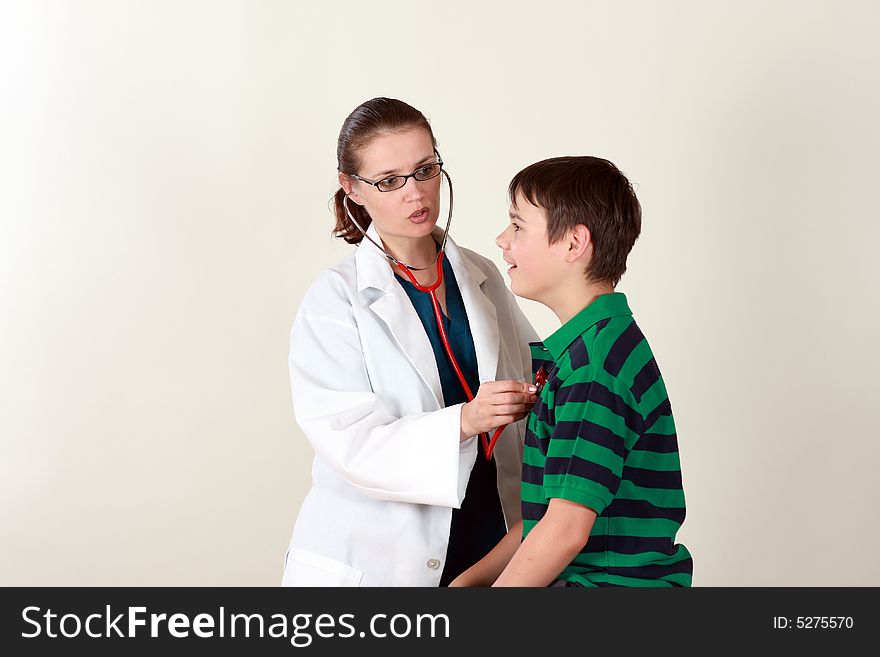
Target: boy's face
{"x": 537, "y": 267}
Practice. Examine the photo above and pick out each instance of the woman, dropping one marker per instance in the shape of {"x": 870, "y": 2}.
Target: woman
{"x": 401, "y": 495}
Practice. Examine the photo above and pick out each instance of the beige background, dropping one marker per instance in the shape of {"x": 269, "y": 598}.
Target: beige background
{"x": 165, "y": 169}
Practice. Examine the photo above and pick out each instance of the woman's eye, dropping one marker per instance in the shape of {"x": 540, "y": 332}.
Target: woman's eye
{"x": 390, "y": 181}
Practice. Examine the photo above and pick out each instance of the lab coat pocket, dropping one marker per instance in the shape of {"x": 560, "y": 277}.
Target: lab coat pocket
{"x": 306, "y": 568}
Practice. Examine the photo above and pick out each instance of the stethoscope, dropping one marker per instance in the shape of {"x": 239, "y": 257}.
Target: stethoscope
{"x": 488, "y": 444}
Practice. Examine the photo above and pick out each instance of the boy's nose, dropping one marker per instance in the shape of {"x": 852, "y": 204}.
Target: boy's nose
{"x": 501, "y": 241}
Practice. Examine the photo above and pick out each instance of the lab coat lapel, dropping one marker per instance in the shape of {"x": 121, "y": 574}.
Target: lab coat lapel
{"x": 480, "y": 311}
{"x": 393, "y": 307}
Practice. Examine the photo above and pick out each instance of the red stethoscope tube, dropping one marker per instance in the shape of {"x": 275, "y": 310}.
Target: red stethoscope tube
{"x": 488, "y": 443}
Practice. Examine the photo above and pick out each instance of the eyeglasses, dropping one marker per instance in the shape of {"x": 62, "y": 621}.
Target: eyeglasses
{"x": 389, "y": 184}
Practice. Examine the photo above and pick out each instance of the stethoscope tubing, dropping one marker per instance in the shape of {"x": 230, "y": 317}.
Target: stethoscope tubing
{"x": 487, "y": 443}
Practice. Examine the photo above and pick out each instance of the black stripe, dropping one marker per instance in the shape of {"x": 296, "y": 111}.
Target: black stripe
{"x": 533, "y": 510}
{"x": 532, "y": 474}
{"x": 629, "y": 544}
{"x": 597, "y": 393}
{"x": 584, "y": 469}
{"x": 553, "y": 380}
{"x": 622, "y": 348}
{"x": 602, "y": 323}
{"x": 594, "y": 433}
{"x": 540, "y": 444}
{"x": 657, "y": 442}
{"x": 654, "y": 571}
{"x": 664, "y": 408}
{"x": 666, "y": 479}
{"x": 543, "y": 412}
{"x": 646, "y": 377}
{"x": 642, "y": 509}
{"x": 577, "y": 352}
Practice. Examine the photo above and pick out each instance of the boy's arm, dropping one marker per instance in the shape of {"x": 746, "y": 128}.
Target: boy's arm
{"x": 551, "y": 545}
{"x": 487, "y": 569}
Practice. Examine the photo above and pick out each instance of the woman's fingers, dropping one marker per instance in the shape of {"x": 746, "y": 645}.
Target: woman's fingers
{"x": 512, "y": 398}
{"x": 498, "y": 403}
{"x": 497, "y": 387}
{"x": 511, "y": 409}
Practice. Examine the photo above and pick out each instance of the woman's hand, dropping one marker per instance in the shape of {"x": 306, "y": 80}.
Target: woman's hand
{"x": 497, "y": 403}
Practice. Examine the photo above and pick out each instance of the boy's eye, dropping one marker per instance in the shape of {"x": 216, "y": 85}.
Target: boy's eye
{"x": 515, "y": 226}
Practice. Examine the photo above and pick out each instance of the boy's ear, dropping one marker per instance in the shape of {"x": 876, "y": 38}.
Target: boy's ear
{"x": 348, "y": 187}
{"x": 580, "y": 243}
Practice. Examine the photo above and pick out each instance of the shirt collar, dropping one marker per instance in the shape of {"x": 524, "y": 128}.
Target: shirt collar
{"x": 602, "y": 307}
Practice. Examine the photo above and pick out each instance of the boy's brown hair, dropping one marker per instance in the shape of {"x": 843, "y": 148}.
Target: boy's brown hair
{"x": 590, "y": 191}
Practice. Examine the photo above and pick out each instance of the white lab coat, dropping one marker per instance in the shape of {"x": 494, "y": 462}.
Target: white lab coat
{"x": 389, "y": 466}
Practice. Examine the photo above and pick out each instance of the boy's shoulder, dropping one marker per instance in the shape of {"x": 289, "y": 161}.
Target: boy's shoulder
{"x": 607, "y": 342}
{"x": 612, "y": 351}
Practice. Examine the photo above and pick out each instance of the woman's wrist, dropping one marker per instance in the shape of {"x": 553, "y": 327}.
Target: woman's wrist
{"x": 464, "y": 423}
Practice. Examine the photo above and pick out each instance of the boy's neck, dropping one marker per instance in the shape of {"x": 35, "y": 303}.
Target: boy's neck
{"x": 575, "y": 297}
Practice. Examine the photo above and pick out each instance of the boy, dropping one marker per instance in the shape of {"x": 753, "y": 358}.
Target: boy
{"x": 601, "y": 486}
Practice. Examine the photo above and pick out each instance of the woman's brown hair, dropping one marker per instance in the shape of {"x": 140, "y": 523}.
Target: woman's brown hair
{"x": 368, "y": 120}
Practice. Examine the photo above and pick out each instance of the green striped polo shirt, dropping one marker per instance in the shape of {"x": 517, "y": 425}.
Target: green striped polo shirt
{"x": 601, "y": 434}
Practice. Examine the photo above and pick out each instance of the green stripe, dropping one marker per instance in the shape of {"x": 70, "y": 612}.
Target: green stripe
{"x": 682, "y": 579}
{"x": 654, "y": 396}
{"x": 618, "y": 580}
{"x": 533, "y": 493}
{"x": 597, "y": 414}
{"x": 586, "y": 450}
{"x": 533, "y": 456}
{"x": 672, "y": 498}
{"x": 587, "y": 562}
{"x": 664, "y": 426}
{"x": 643, "y": 559}
{"x": 572, "y": 484}
{"x": 644, "y": 527}
{"x": 659, "y": 461}
{"x": 634, "y": 363}
{"x": 598, "y": 454}
{"x": 594, "y": 373}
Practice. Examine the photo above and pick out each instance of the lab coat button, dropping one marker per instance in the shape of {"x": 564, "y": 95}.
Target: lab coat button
{"x": 433, "y": 564}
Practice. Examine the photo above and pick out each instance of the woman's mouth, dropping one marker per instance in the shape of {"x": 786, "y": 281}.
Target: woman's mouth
{"x": 419, "y": 216}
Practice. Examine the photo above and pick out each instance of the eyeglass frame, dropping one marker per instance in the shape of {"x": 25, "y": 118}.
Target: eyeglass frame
{"x": 375, "y": 183}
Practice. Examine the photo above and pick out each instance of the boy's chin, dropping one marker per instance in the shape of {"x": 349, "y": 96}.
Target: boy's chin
{"x": 523, "y": 294}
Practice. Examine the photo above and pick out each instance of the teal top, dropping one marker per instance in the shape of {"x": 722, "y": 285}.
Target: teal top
{"x": 479, "y": 524}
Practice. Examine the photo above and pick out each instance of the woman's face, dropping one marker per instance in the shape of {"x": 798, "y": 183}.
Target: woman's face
{"x": 411, "y": 211}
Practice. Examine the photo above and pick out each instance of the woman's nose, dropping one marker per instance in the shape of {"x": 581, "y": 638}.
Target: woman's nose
{"x": 412, "y": 188}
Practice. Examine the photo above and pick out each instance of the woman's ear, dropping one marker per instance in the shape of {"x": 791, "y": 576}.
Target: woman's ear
{"x": 348, "y": 187}
{"x": 580, "y": 242}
